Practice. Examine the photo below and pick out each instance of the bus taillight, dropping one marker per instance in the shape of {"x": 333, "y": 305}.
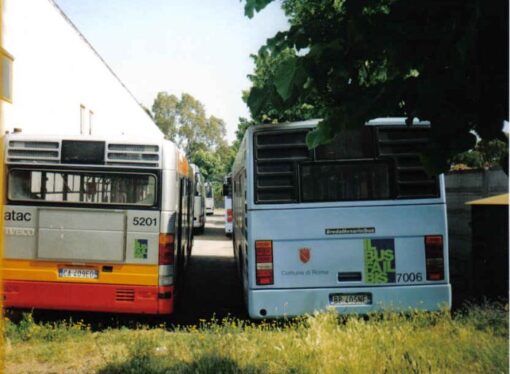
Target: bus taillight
{"x": 229, "y": 215}
{"x": 166, "y": 249}
{"x": 264, "y": 262}
{"x": 434, "y": 257}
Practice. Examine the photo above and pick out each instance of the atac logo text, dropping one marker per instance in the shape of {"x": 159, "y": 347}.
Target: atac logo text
{"x": 17, "y": 216}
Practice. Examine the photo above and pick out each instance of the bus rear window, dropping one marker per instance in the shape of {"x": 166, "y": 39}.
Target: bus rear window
{"x": 345, "y": 181}
{"x": 82, "y": 187}
{"x": 208, "y": 191}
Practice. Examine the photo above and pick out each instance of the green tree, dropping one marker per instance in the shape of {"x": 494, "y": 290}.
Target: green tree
{"x": 208, "y": 163}
{"x": 486, "y": 154}
{"x": 184, "y": 121}
{"x": 267, "y": 65}
{"x": 165, "y": 114}
{"x": 444, "y": 61}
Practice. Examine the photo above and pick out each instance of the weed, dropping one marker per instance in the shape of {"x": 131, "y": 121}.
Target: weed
{"x": 474, "y": 340}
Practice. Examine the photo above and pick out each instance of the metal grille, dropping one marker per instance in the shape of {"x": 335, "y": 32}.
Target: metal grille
{"x": 277, "y": 154}
{"x": 404, "y": 145}
{"x": 138, "y": 155}
{"x": 33, "y": 152}
{"x": 124, "y": 294}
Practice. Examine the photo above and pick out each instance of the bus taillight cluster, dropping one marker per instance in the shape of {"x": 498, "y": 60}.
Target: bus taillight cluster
{"x": 434, "y": 257}
{"x": 166, "y": 249}
{"x": 264, "y": 262}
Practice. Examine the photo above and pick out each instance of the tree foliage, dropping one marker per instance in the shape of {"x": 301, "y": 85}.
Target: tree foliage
{"x": 267, "y": 68}
{"x": 184, "y": 121}
{"x": 443, "y": 61}
{"x": 486, "y": 155}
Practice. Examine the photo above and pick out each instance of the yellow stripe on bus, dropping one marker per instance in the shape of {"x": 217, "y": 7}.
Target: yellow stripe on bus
{"x": 48, "y": 271}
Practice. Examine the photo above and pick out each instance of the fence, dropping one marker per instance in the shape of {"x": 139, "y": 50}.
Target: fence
{"x": 461, "y": 187}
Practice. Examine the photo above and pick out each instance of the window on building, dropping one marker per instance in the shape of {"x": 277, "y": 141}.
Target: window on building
{"x": 91, "y": 118}
{"x": 83, "y": 115}
{"x": 6, "y": 61}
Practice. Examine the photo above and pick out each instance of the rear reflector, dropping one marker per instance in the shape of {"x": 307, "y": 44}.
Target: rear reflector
{"x": 264, "y": 262}
{"x": 166, "y": 249}
{"x": 434, "y": 257}
{"x": 229, "y": 215}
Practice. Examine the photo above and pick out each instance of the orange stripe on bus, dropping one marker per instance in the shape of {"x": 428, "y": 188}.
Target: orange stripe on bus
{"x": 183, "y": 166}
{"x": 130, "y": 274}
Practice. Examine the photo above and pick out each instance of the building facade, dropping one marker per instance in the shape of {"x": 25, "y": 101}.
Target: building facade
{"x": 57, "y": 83}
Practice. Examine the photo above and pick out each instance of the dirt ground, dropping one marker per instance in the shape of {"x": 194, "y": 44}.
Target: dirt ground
{"x": 211, "y": 283}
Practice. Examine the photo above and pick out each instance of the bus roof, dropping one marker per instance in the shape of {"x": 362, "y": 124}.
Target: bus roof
{"x": 392, "y": 121}
{"x": 114, "y": 151}
{"x": 130, "y": 139}
{"x": 383, "y": 121}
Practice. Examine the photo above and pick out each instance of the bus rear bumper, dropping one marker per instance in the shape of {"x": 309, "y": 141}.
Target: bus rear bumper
{"x": 89, "y": 297}
{"x": 278, "y": 303}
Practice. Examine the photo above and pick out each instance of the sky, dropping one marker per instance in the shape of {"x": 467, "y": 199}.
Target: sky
{"x": 179, "y": 46}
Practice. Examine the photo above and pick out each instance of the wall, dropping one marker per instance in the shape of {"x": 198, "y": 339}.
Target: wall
{"x": 56, "y": 72}
{"x": 461, "y": 187}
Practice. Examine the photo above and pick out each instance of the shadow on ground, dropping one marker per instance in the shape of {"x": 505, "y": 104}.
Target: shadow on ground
{"x": 151, "y": 364}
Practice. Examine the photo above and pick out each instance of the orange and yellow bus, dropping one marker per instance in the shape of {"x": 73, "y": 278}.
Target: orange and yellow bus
{"x": 95, "y": 224}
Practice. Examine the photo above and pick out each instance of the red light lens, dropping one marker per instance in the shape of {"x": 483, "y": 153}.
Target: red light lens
{"x": 166, "y": 249}
{"x": 434, "y": 240}
{"x": 229, "y": 215}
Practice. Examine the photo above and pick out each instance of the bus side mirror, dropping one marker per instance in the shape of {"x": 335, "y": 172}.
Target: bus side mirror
{"x": 225, "y": 189}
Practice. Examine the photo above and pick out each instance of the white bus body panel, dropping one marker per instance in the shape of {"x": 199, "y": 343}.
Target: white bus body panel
{"x": 278, "y": 303}
{"x": 209, "y": 205}
{"x": 228, "y": 205}
{"x": 304, "y": 287}
{"x": 85, "y": 233}
{"x": 199, "y": 212}
{"x": 82, "y": 235}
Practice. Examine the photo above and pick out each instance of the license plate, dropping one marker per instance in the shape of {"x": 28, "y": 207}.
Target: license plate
{"x": 78, "y": 273}
{"x": 350, "y": 298}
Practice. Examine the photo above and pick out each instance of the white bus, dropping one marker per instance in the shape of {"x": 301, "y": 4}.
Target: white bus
{"x": 199, "y": 204}
{"x": 95, "y": 224}
{"x": 209, "y": 199}
{"x": 356, "y": 225}
{"x": 227, "y": 196}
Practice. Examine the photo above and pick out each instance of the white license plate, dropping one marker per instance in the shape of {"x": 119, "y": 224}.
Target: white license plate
{"x": 78, "y": 273}
{"x": 350, "y": 299}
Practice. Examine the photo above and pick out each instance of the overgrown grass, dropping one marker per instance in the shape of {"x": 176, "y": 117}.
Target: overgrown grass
{"x": 474, "y": 340}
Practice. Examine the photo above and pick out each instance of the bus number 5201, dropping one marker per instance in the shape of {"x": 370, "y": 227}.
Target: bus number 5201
{"x": 145, "y": 221}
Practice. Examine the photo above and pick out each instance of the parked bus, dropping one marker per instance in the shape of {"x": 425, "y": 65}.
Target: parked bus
{"x": 199, "y": 202}
{"x": 227, "y": 196}
{"x": 95, "y": 224}
{"x": 356, "y": 225}
{"x": 209, "y": 199}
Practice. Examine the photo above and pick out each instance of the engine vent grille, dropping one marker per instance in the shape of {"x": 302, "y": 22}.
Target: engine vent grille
{"x": 125, "y": 294}
{"x": 277, "y": 154}
{"x": 138, "y": 155}
{"x": 33, "y": 152}
{"x": 404, "y": 145}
